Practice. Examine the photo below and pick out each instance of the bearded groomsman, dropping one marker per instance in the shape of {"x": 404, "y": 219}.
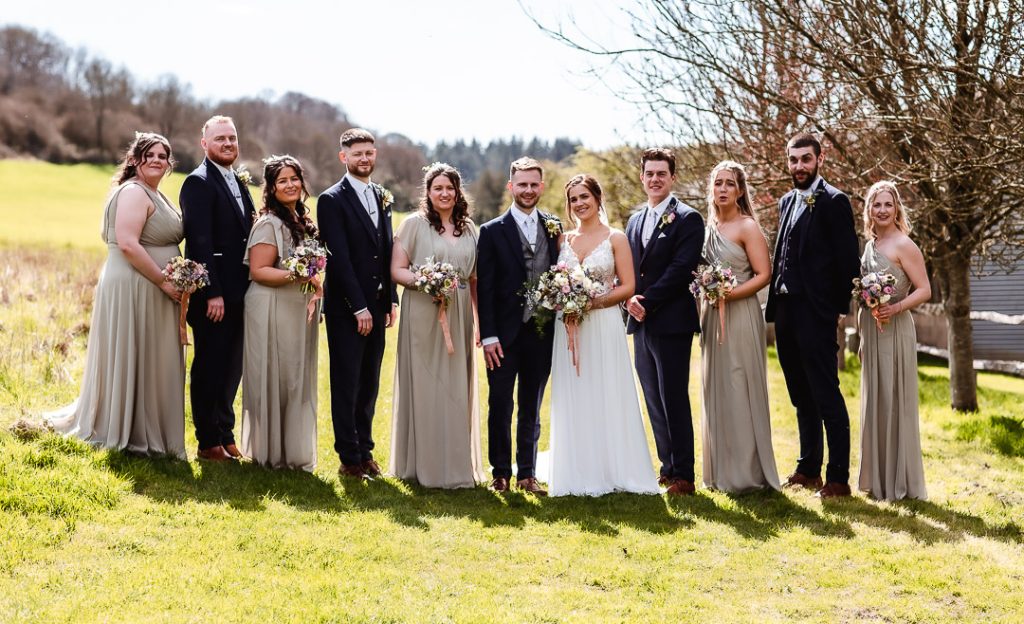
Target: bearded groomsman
{"x": 218, "y": 213}
{"x": 513, "y": 249}
{"x": 666, "y": 238}
{"x": 360, "y": 300}
{"x": 815, "y": 261}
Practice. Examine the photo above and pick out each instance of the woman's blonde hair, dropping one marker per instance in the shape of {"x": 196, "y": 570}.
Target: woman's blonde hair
{"x": 900, "y": 219}
{"x": 743, "y": 202}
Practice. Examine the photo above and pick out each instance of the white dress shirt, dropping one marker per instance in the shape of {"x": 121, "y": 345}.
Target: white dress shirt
{"x": 652, "y": 217}
{"x": 229, "y": 178}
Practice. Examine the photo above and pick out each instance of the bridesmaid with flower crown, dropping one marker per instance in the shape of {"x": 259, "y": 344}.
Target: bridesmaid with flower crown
{"x": 891, "y": 467}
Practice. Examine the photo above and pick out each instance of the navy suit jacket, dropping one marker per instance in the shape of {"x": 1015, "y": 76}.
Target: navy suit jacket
{"x": 359, "y": 265}
{"x": 664, "y": 270}
{"x": 828, "y": 254}
{"x": 216, "y": 231}
{"x": 501, "y": 274}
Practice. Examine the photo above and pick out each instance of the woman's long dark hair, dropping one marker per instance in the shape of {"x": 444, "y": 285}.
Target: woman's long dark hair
{"x": 135, "y": 155}
{"x": 460, "y": 213}
{"x": 298, "y": 223}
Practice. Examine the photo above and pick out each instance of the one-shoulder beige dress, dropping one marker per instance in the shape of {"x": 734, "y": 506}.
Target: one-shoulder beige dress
{"x": 891, "y": 466}
{"x": 133, "y": 388}
{"x": 279, "y": 364}
{"x": 435, "y": 435}
{"x": 735, "y": 421}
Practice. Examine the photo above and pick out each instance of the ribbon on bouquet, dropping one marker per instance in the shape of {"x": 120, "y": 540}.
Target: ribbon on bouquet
{"x": 442, "y": 318}
{"x": 572, "y": 325}
{"x": 878, "y": 321}
{"x": 182, "y": 330}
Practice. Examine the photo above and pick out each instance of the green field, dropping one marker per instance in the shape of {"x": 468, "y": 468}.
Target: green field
{"x": 102, "y": 536}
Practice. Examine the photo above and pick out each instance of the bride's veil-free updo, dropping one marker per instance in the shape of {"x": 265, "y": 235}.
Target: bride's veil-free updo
{"x": 592, "y": 185}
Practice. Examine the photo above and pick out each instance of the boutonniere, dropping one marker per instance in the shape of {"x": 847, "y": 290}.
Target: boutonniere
{"x": 553, "y": 226}
{"x": 666, "y": 218}
{"x": 243, "y": 175}
{"x": 811, "y": 199}
{"x": 386, "y": 198}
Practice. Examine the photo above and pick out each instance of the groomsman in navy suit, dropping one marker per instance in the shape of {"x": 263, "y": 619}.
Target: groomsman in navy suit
{"x": 816, "y": 259}
{"x": 666, "y": 238}
{"x": 218, "y": 213}
{"x": 360, "y": 300}
{"x": 514, "y": 249}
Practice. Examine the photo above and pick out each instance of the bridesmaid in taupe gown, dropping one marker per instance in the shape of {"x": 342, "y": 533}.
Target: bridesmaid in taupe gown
{"x": 133, "y": 388}
{"x": 735, "y": 423}
{"x": 435, "y": 436}
{"x": 891, "y": 467}
{"x": 279, "y": 363}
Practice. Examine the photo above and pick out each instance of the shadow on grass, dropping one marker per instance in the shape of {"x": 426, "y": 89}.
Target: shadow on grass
{"x": 923, "y": 521}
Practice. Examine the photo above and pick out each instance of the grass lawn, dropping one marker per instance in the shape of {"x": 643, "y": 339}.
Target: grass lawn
{"x": 98, "y": 536}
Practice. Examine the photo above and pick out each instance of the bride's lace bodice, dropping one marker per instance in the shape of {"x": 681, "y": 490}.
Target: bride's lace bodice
{"x": 600, "y": 261}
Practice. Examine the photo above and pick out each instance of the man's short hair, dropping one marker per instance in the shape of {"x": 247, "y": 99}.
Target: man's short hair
{"x": 659, "y": 153}
{"x": 356, "y": 135}
{"x": 216, "y": 119}
{"x": 525, "y": 164}
{"x": 805, "y": 139}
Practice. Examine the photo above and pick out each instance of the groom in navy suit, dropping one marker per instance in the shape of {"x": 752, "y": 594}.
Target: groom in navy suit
{"x": 218, "y": 212}
{"x": 514, "y": 249}
{"x": 360, "y": 300}
{"x": 816, "y": 259}
{"x": 666, "y": 238}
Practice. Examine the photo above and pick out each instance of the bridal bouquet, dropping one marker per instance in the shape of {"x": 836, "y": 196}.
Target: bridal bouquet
{"x": 712, "y": 283}
{"x": 440, "y": 280}
{"x": 873, "y": 290}
{"x": 306, "y": 262}
{"x": 187, "y": 276}
{"x": 569, "y": 291}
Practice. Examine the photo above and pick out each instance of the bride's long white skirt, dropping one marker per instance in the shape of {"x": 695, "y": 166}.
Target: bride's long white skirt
{"x": 598, "y": 443}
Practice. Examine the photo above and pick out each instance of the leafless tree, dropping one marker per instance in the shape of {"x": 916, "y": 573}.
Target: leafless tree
{"x": 926, "y": 92}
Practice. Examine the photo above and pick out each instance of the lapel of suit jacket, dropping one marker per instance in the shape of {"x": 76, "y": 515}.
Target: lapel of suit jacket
{"x": 542, "y": 228}
{"x": 511, "y": 229}
{"x": 784, "y": 214}
{"x": 658, "y": 230}
{"x": 213, "y": 171}
{"x": 817, "y": 193}
{"x": 634, "y": 232}
{"x": 347, "y": 191}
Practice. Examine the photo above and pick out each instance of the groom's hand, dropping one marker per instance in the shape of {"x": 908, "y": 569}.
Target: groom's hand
{"x": 635, "y": 309}
{"x": 215, "y": 309}
{"x": 493, "y": 355}
{"x": 364, "y": 323}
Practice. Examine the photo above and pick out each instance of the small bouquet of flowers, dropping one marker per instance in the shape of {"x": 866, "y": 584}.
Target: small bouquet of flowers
{"x": 440, "y": 280}
{"x": 187, "y": 276}
{"x": 307, "y": 261}
{"x": 712, "y": 283}
{"x": 569, "y": 291}
{"x": 873, "y": 290}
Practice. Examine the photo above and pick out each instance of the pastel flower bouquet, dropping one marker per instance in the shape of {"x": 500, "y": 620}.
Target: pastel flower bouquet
{"x": 873, "y": 290}
{"x": 565, "y": 290}
{"x": 306, "y": 262}
{"x": 713, "y": 283}
{"x": 440, "y": 280}
{"x": 187, "y": 276}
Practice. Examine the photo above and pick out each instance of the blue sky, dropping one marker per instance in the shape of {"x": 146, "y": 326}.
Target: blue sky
{"x": 429, "y": 70}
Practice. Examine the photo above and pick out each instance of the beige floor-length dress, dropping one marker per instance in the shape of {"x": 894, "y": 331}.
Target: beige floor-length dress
{"x": 735, "y": 422}
{"x": 280, "y": 364}
{"x": 133, "y": 388}
{"x": 436, "y": 422}
{"x": 891, "y": 466}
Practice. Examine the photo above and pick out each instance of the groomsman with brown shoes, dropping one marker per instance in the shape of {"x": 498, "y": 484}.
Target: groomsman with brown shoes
{"x": 218, "y": 213}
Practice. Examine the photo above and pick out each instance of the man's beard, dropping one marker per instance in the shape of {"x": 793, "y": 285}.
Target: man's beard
{"x": 218, "y": 158}
{"x": 523, "y": 204}
{"x": 363, "y": 171}
{"x": 810, "y": 180}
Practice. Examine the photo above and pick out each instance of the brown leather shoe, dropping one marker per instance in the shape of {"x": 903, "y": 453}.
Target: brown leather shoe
{"x": 356, "y": 472}
{"x": 233, "y": 451}
{"x": 681, "y": 487}
{"x": 214, "y": 453}
{"x": 532, "y": 486}
{"x": 801, "y": 480}
{"x": 372, "y": 468}
{"x": 834, "y": 490}
{"x": 499, "y": 484}
{"x": 664, "y": 481}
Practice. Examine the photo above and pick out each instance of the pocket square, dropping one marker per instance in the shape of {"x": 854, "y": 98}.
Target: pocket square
{"x": 662, "y": 235}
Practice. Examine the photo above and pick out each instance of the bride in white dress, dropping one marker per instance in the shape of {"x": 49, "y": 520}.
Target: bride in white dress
{"x": 598, "y": 444}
